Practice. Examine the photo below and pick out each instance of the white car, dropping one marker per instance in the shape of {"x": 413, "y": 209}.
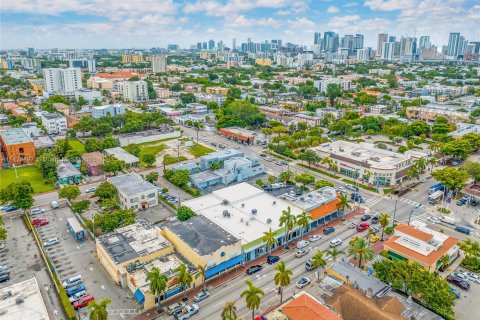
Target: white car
{"x": 51, "y": 242}
{"x": 463, "y": 276}
{"x": 302, "y": 282}
{"x": 352, "y": 225}
{"x": 433, "y": 219}
{"x": 301, "y": 252}
{"x": 341, "y": 190}
{"x": 36, "y": 211}
{"x": 314, "y": 237}
{"x": 78, "y": 296}
{"x": 472, "y": 276}
{"x": 92, "y": 189}
{"x": 335, "y": 242}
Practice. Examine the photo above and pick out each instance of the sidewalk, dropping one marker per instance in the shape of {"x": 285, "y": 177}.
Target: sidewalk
{"x": 224, "y": 278}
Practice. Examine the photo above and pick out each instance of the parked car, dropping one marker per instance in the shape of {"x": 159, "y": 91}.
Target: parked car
{"x": 50, "y": 242}
{"x": 302, "y": 244}
{"x": 83, "y": 302}
{"x": 187, "y": 312}
{"x": 77, "y": 296}
{"x": 314, "y": 237}
{"x": 40, "y": 223}
{"x": 459, "y": 282}
{"x": 363, "y": 226}
{"x": 75, "y": 289}
{"x": 351, "y": 187}
{"x": 10, "y": 208}
{"x": 460, "y": 275}
{"x": 175, "y": 308}
{"x": 201, "y": 296}
{"x": 328, "y": 230}
{"x": 263, "y": 155}
{"x": 38, "y": 220}
{"x": 472, "y": 277}
{"x": 4, "y": 277}
{"x": 272, "y": 259}
{"x": 375, "y": 229}
{"x": 455, "y": 292}
{"x": 302, "y": 282}
{"x": 352, "y": 225}
{"x": 254, "y": 269}
{"x": 335, "y": 242}
{"x": 36, "y": 211}
{"x": 462, "y": 230}
{"x": 92, "y": 189}
{"x": 374, "y": 239}
{"x": 365, "y": 217}
{"x": 461, "y": 202}
{"x": 341, "y": 190}
{"x": 301, "y": 252}
{"x": 433, "y": 219}
{"x": 284, "y": 163}
{"x": 54, "y": 204}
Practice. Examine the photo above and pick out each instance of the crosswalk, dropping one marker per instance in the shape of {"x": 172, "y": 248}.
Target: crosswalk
{"x": 373, "y": 200}
{"x": 412, "y": 203}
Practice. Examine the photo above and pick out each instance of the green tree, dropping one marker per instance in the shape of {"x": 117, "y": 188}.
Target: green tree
{"x": 318, "y": 262}
{"x": 202, "y": 269}
{"x": 384, "y": 221}
{"x": 303, "y": 220}
{"x": 184, "y": 277}
{"x": 460, "y": 148}
{"x": 282, "y": 277}
{"x": 106, "y": 190}
{"x": 323, "y": 183}
{"x": 70, "y": 192}
{"x": 310, "y": 157}
{"x": 334, "y": 253}
{"x": 473, "y": 169}
{"x": 113, "y": 165}
{"x": 451, "y": 178}
{"x": 184, "y": 213}
{"x": 116, "y": 219}
{"x": 270, "y": 239}
{"x": 133, "y": 149}
{"x": 252, "y": 297}
{"x": 47, "y": 163}
{"x": 271, "y": 179}
{"x": 158, "y": 283}
{"x": 344, "y": 203}
{"x": 98, "y": 310}
{"x": 93, "y": 144}
{"x": 333, "y": 91}
{"x": 19, "y": 193}
{"x": 305, "y": 179}
{"x": 180, "y": 178}
{"x": 286, "y": 176}
{"x": 229, "y": 312}
{"x": 445, "y": 261}
{"x": 152, "y": 176}
{"x": 361, "y": 251}
{"x": 80, "y": 206}
{"x": 148, "y": 159}
{"x": 287, "y": 220}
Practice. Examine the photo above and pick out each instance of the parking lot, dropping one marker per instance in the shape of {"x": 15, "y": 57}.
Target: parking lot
{"x": 467, "y": 305}
{"x": 71, "y": 257}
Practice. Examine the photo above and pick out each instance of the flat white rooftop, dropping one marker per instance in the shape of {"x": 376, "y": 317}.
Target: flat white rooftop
{"x": 33, "y": 306}
{"x": 233, "y": 209}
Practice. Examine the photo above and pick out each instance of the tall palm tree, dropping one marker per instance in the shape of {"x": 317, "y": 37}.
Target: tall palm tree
{"x": 252, "y": 296}
{"x": 433, "y": 162}
{"x": 158, "y": 283}
{"x": 270, "y": 239}
{"x": 445, "y": 261}
{"x": 98, "y": 310}
{"x": 334, "y": 253}
{"x": 370, "y": 233}
{"x": 197, "y": 126}
{"x": 421, "y": 165}
{"x": 184, "y": 277}
{"x": 367, "y": 174}
{"x": 287, "y": 220}
{"x": 343, "y": 203}
{"x": 201, "y": 273}
{"x": 318, "y": 262}
{"x": 326, "y": 161}
{"x": 282, "y": 277}
{"x": 360, "y": 251}
{"x": 229, "y": 311}
{"x": 384, "y": 221}
{"x": 334, "y": 168}
{"x": 303, "y": 220}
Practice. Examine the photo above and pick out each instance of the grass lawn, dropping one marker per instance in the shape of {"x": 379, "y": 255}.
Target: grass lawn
{"x": 76, "y": 145}
{"x": 168, "y": 159}
{"x": 199, "y": 150}
{"x": 151, "y": 147}
{"x": 30, "y": 173}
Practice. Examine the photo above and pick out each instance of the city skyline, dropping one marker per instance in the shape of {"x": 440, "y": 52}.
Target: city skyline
{"x": 150, "y": 23}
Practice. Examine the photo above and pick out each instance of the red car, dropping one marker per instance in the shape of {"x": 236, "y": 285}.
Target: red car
{"x": 36, "y": 221}
{"x": 41, "y": 223}
{"x": 83, "y": 302}
{"x": 363, "y": 226}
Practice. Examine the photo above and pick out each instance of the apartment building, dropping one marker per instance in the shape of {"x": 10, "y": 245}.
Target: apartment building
{"x": 110, "y": 109}
{"x": 66, "y": 80}
{"x": 322, "y": 85}
{"x": 134, "y": 192}
{"x": 133, "y": 90}
{"x": 430, "y": 113}
{"x": 54, "y": 123}
{"x": 17, "y": 147}
{"x": 217, "y": 90}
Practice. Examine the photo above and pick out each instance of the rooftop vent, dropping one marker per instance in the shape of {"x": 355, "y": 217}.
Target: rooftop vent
{"x": 269, "y": 220}
{"x": 254, "y": 211}
{"x": 226, "y": 214}
{"x": 243, "y": 205}
{"x": 241, "y": 219}
{"x": 302, "y": 199}
{"x": 274, "y": 202}
{"x": 225, "y": 202}
{"x": 356, "y": 153}
{"x": 310, "y": 195}
{"x": 341, "y": 149}
{"x": 246, "y": 223}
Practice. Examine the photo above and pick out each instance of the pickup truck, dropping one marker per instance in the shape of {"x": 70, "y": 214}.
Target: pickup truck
{"x": 174, "y": 308}
{"x": 187, "y": 312}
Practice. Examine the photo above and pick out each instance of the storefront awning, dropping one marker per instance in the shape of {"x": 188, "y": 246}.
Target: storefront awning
{"x": 139, "y": 296}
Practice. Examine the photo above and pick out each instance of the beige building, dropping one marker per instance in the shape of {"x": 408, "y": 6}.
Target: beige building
{"x": 431, "y": 113}
{"x": 99, "y": 83}
{"x": 263, "y": 62}
{"x": 217, "y": 90}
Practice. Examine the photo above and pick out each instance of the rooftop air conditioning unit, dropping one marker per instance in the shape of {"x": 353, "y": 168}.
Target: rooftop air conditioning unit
{"x": 241, "y": 219}
{"x": 341, "y": 149}
{"x": 274, "y": 202}
{"x": 254, "y": 211}
{"x": 269, "y": 220}
{"x": 243, "y": 205}
{"x": 302, "y": 199}
{"x": 246, "y": 223}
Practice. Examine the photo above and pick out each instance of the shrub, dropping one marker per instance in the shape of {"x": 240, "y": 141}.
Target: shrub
{"x": 184, "y": 213}
{"x": 471, "y": 263}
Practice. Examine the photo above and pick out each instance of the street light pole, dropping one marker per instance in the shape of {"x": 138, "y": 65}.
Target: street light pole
{"x": 394, "y": 212}
{"x": 411, "y": 212}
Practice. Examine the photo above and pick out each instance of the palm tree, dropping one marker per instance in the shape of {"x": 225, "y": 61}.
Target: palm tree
{"x": 252, "y": 296}
{"x": 367, "y": 174}
{"x": 98, "y": 310}
{"x": 282, "y": 277}
{"x": 184, "y": 277}
{"x": 361, "y": 251}
{"x": 198, "y": 126}
{"x": 201, "y": 273}
{"x": 334, "y": 253}
{"x": 318, "y": 261}
{"x": 309, "y": 156}
{"x": 370, "y": 233}
{"x": 445, "y": 261}
{"x": 287, "y": 220}
{"x": 158, "y": 283}
{"x": 433, "y": 162}
{"x": 344, "y": 203}
{"x": 384, "y": 221}
{"x": 286, "y": 176}
{"x": 269, "y": 239}
{"x": 303, "y": 220}
{"x": 326, "y": 161}
{"x": 229, "y": 311}
{"x": 421, "y": 164}
{"x": 334, "y": 168}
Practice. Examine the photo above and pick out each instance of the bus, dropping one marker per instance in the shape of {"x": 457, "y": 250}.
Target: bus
{"x": 435, "y": 188}
{"x": 75, "y": 228}
{"x": 435, "y": 197}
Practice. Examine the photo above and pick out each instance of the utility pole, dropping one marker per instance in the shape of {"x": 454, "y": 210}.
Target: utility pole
{"x": 411, "y": 212}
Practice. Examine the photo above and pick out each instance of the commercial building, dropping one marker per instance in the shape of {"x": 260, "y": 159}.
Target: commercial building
{"x": 110, "y": 109}
{"x": 322, "y": 85}
{"x": 207, "y": 160}
{"x": 120, "y": 154}
{"x": 88, "y": 94}
{"x": 23, "y": 301}
{"x": 93, "y": 162}
{"x": 134, "y": 192}
{"x": 148, "y": 136}
{"x": 159, "y": 64}
{"x": 430, "y": 113}
{"x": 60, "y": 80}
{"x": 17, "y": 147}
{"x": 464, "y": 128}
{"x": 204, "y": 243}
{"x": 238, "y": 134}
{"x": 67, "y": 173}
{"x": 247, "y": 212}
{"x": 420, "y": 244}
{"x": 133, "y": 90}
{"x": 367, "y": 162}
{"x": 54, "y": 123}
{"x": 217, "y": 90}
{"x": 100, "y": 83}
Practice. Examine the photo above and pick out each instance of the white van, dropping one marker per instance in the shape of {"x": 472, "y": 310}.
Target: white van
{"x": 73, "y": 281}
{"x": 54, "y": 204}
{"x": 302, "y": 244}
{"x": 335, "y": 242}
{"x": 308, "y": 265}
{"x": 448, "y": 220}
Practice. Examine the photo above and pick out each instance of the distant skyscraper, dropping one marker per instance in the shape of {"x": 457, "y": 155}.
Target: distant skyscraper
{"x": 234, "y": 44}
{"x": 159, "y": 64}
{"x": 317, "y": 38}
{"x": 330, "y": 41}
{"x": 363, "y": 54}
{"x": 220, "y": 45}
{"x": 358, "y": 42}
{"x": 91, "y": 65}
{"x": 205, "y": 46}
{"x": 387, "y": 51}
{"x": 392, "y": 39}
{"x": 199, "y": 46}
{"x": 347, "y": 43}
{"x": 31, "y": 52}
{"x": 211, "y": 44}
{"x": 408, "y": 46}
{"x": 424, "y": 42}
{"x": 382, "y": 37}
{"x": 453, "y": 43}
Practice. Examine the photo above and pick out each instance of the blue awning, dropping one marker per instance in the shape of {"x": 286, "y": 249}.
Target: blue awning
{"x": 223, "y": 266}
{"x": 139, "y": 296}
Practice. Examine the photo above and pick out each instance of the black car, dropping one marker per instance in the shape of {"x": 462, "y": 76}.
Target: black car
{"x": 328, "y": 230}
{"x": 375, "y": 220}
{"x": 254, "y": 269}
{"x": 459, "y": 282}
{"x": 272, "y": 259}
{"x": 4, "y": 277}
{"x": 365, "y": 217}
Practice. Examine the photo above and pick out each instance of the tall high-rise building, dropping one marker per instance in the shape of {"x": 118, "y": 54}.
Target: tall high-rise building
{"x": 31, "y": 52}
{"x": 424, "y": 43}
{"x": 358, "y": 42}
{"x": 159, "y": 64}
{"x": 220, "y": 45}
{"x": 205, "y": 46}
{"x": 382, "y": 37}
{"x": 211, "y": 44}
{"x": 330, "y": 41}
{"x": 462, "y": 46}
{"x": 234, "y": 44}
{"x": 347, "y": 43}
{"x": 62, "y": 80}
{"x": 133, "y": 90}
{"x": 363, "y": 54}
{"x": 199, "y": 46}
{"x": 317, "y": 38}
{"x": 392, "y": 38}
{"x": 91, "y": 65}
{"x": 408, "y": 46}
{"x": 387, "y": 51}
{"x": 453, "y": 43}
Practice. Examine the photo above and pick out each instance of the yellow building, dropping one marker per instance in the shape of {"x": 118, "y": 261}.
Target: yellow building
{"x": 263, "y": 62}
{"x": 205, "y": 55}
{"x": 37, "y": 87}
{"x": 217, "y": 90}
{"x": 132, "y": 58}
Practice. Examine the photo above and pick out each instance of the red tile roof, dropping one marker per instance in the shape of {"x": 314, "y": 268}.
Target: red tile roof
{"x": 324, "y": 210}
{"x": 414, "y": 232}
{"x": 305, "y": 307}
{"x": 117, "y": 75}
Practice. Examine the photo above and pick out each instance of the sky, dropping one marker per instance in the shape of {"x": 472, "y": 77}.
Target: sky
{"x": 156, "y": 23}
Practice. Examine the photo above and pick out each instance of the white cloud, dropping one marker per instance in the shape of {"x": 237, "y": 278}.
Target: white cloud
{"x": 242, "y": 22}
{"x": 302, "y": 23}
{"x": 390, "y": 5}
{"x": 350, "y": 4}
{"x": 232, "y": 7}
{"x": 282, "y": 13}
{"x": 333, "y": 9}
{"x": 343, "y": 21}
